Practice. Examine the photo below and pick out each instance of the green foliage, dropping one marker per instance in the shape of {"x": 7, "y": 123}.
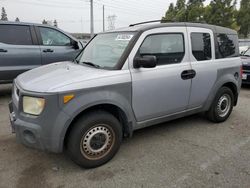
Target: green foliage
{"x": 44, "y": 22}
{"x": 243, "y": 18}
{"x": 221, "y": 12}
{"x": 195, "y": 10}
{"x": 4, "y": 15}
{"x": 170, "y": 14}
{"x": 181, "y": 12}
{"x": 55, "y": 23}
{"x": 218, "y": 12}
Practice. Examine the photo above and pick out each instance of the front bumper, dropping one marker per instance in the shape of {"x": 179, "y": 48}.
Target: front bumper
{"x": 43, "y": 132}
{"x": 247, "y": 79}
{"x": 27, "y": 133}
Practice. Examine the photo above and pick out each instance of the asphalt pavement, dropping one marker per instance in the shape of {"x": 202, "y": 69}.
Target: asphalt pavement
{"x": 188, "y": 152}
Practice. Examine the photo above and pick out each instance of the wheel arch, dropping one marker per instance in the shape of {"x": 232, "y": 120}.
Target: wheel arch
{"x": 230, "y": 83}
{"x": 233, "y": 88}
{"x": 114, "y": 109}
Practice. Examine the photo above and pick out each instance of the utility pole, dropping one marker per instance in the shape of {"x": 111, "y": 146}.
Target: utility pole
{"x": 91, "y": 19}
{"x": 111, "y": 22}
{"x": 103, "y": 18}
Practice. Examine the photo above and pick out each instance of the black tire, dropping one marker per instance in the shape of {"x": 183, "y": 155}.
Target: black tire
{"x": 88, "y": 132}
{"x": 215, "y": 112}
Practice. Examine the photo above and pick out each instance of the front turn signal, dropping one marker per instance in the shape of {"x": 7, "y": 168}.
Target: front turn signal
{"x": 67, "y": 98}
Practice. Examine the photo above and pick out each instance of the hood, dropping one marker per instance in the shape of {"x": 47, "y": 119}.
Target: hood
{"x": 50, "y": 78}
{"x": 245, "y": 60}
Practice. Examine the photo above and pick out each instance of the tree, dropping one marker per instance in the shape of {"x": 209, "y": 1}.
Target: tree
{"x": 195, "y": 11}
{"x": 170, "y": 14}
{"x": 181, "y": 11}
{"x": 221, "y": 13}
{"x": 44, "y": 22}
{"x": 17, "y": 19}
{"x": 55, "y": 23}
{"x": 4, "y": 15}
{"x": 243, "y": 18}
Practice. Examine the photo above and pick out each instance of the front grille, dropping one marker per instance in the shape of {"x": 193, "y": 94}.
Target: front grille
{"x": 246, "y": 67}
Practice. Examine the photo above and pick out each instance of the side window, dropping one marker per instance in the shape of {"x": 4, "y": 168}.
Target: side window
{"x": 201, "y": 46}
{"x": 52, "y": 37}
{"x": 227, "y": 45}
{"x": 168, "y": 48}
{"x": 15, "y": 34}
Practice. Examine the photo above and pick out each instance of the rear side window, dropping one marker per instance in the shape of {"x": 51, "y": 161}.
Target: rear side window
{"x": 168, "y": 48}
{"x": 52, "y": 37}
{"x": 15, "y": 34}
{"x": 227, "y": 45}
{"x": 201, "y": 46}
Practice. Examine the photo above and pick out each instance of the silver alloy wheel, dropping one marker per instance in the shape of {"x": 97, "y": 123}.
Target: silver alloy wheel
{"x": 97, "y": 142}
{"x": 224, "y": 105}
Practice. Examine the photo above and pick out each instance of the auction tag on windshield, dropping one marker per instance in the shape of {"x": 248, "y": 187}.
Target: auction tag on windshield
{"x": 124, "y": 37}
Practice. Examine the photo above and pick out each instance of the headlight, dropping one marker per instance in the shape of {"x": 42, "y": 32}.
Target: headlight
{"x": 33, "y": 105}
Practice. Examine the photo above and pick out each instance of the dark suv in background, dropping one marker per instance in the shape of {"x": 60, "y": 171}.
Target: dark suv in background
{"x": 245, "y": 57}
{"x": 24, "y": 46}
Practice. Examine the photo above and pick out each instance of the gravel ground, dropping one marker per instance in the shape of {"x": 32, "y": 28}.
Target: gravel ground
{"x": 189, "y": 152}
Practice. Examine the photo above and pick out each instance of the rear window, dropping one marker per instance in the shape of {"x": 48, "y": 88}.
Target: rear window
{"x": 15, "y": 34}
{"x": 228, "y": 45}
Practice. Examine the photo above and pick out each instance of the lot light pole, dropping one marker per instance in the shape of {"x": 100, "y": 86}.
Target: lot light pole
{"x": 103, "y": 18}
{"x": 91, "y": 19}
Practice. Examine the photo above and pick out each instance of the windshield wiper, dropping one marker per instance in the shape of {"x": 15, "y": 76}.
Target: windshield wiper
{"x": 76, "y": 61}
{"x": 89, "y": 63}
{"x": 246, "y": 55}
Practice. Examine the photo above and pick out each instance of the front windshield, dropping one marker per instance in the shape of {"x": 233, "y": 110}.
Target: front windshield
{"x": 105, "y": 50}
{"x": 247, "y": 53}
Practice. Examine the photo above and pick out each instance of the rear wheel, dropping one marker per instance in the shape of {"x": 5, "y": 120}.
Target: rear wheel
{"x": 222, "y": 105}
{"x": 94, "y": 139}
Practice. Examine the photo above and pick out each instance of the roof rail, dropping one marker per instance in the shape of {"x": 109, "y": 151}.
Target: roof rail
{"x": 152, "y": 21}
{"x": 164, "y": 21}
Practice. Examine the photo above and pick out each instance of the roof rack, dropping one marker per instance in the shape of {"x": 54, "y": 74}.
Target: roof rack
{"x": 152, "y": 21}
{"x": 163, "y": 21}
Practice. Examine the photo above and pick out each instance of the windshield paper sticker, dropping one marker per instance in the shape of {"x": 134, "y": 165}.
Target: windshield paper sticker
{"x": 124, "y": 37}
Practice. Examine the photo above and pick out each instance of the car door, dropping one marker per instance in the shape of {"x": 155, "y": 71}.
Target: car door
{"x": 165, "y": 89}
{"x": 56, "y": 46}
{"x": 202, "y": 57}
{"x": 19, "y": 51}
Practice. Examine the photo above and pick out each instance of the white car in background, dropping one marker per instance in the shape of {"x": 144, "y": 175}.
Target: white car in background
{"x": 242, "y": 49}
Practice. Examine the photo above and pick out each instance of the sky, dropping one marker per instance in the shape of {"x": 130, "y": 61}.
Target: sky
{"x": 74, "y": 15}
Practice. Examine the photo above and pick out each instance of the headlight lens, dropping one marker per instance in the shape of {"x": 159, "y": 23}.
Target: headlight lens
{"x": 33, "y": 105}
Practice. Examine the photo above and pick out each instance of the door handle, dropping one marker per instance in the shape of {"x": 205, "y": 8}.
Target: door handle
{"x": 48, "y": 50}
{"x": 188, "y": 74}
{"x": 3, "y": 50}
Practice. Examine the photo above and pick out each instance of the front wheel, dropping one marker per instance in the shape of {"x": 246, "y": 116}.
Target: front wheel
{"x": 222, "y": 105}
{"x": 94, "y": 139}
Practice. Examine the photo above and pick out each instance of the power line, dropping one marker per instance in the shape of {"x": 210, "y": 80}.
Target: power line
{"x": 46, "y": 4}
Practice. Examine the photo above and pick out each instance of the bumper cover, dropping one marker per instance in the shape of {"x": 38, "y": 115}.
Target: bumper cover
{"x": 247, "y": 80}
{"x": 44, "y": 132}
{"x": 26, "y": 133}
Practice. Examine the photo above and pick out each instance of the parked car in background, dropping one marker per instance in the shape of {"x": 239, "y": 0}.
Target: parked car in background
{"x": 83, "y": 42}
{"x": 243, "y": 49}
{"x": 126, "y": 80}
{"x": 245, "y": 57}
{"x": 24, "y": 46}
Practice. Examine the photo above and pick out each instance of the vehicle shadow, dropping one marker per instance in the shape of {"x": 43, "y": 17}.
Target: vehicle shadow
{"x": 5, "y": 89}
{"x": 245, "y": 86}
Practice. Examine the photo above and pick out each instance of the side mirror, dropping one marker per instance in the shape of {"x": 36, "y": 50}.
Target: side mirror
{"x": 147, "y": 61}
{"x": 75, "y": 44}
